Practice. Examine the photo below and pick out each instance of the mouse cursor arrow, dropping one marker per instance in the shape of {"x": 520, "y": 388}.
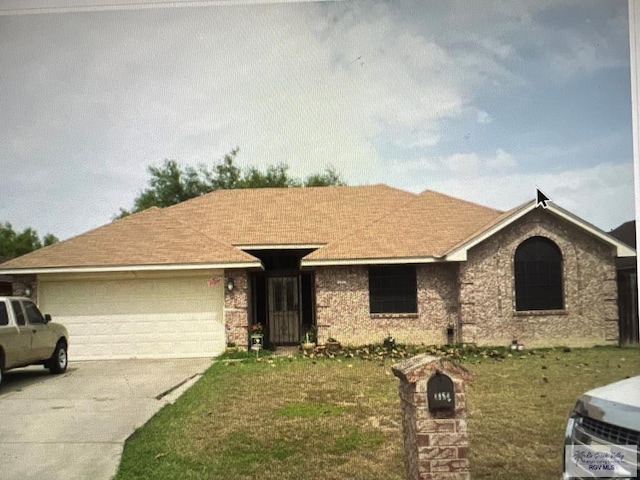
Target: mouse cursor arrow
{"x": 541, "y": 199}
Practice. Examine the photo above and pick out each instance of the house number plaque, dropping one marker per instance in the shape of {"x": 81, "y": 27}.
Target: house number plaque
{"x": 440, "y": 393}
{"x": 256, "y": 341}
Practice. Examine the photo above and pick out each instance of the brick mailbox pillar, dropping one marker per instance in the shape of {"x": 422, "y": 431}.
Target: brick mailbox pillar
{"x": 434, "y": 415}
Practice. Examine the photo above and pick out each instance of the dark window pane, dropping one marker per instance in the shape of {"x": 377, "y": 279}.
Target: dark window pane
{"x": 538, "y": 275}
{"x": 4, "y": 316}
{"x": 392, "y": 289}
{"x": 17, "y": 310}
{"x": 33, "y": 314}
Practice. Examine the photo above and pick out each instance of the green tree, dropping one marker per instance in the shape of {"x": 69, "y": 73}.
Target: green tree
{"x": 49, "y": 239}
{"x": 225, "y": 175}
{"x": 170, "y": 184}
{"x": 275, "y": 176}
{"x": 13, "y": 244}
{"x": 329, "y": 177}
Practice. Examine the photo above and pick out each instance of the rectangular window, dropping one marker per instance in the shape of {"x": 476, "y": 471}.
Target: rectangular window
{"x": 538, "y": 286}
{"x": 392, "y": 289}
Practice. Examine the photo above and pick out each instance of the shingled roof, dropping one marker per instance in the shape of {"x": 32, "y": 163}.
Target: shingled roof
{"x": 289, "y": 216}
{"x": 626, "y": 233}
{"x": 365, "y": 224}
{"x": 150, "y": 237}
{"x": 424, "y": 228}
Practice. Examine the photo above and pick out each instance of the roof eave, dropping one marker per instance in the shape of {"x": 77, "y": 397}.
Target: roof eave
{"x": 622, "y": 249}
{"x": 279, "y": 246}
{"x": 130, "y": 268}
{"x": 336, "y": 262}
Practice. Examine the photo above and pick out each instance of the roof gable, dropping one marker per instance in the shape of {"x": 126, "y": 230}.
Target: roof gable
{"x": 459, "y": 252}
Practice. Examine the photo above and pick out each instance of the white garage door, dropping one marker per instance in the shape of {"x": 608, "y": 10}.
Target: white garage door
{"x": 152, "y": 316}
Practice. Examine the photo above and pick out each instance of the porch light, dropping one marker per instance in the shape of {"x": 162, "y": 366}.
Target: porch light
{"x": 27, "y": 292}
{"x": 229, "y": 284}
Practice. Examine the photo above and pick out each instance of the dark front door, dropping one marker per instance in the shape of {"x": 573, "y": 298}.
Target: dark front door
{"x": 283, "y": 304}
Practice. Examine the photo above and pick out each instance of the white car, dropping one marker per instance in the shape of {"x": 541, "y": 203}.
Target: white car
{"x": 603, "y": 433}
{"x": 29, "y": 338}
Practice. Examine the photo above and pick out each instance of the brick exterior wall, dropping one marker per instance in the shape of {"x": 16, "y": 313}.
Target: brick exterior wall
{"x": 487, "y": 293}
{"x": 477, "y": 297}
{"x": 236, "y": 308}
{"x": 342, "y": 307}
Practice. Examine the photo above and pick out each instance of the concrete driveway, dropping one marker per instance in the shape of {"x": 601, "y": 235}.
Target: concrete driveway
{"x": 74, "y": 425}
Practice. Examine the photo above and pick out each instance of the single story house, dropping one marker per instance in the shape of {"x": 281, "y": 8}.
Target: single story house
{"x": 355, "y": 263}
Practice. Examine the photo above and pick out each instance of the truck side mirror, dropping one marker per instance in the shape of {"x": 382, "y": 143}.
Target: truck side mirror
{"x": 47, "y": 318}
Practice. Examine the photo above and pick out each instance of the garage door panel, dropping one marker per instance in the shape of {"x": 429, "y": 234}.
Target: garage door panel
{"x": 141, "y": 318}
{"x": 116, "y": 350}
{"x": 118, "y": 297}
{"x": 157, "y": 324}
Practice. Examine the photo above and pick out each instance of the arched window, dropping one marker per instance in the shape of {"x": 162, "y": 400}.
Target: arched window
{"x": 538, "y": 272}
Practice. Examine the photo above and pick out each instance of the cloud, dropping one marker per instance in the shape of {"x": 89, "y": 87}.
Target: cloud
{"x": 91, "y": 99}
{"x": 131, "y": 87}
{"x": 601, "y": 194}
{"x": 464, "y": 164}
{"x": 579, "y": 55}
{"x": 483, "y": 118}
{"x": 501, "y": 160}
{"x": 457, "y": 165}
{"x": 559, "y": 40}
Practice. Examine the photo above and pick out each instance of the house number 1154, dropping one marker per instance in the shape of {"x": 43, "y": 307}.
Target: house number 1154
{"x": 442, "y": 396}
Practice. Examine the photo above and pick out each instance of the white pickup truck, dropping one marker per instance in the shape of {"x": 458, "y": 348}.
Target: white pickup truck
{"x": 28, "y": 338}
{"x": 603, "y": 433}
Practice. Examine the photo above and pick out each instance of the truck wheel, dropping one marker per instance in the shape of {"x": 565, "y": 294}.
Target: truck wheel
{"x": 1, "y": 369}
{"x": 58, "y": 361}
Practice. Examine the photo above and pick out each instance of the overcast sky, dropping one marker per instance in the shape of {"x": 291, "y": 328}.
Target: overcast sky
{"x": 480, "y": 100}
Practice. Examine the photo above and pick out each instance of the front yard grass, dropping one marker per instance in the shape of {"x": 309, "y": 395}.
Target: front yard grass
{"x": 302, "y": 418}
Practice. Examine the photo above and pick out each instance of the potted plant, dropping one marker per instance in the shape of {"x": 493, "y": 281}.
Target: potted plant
{"x": 309, "y": 342}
